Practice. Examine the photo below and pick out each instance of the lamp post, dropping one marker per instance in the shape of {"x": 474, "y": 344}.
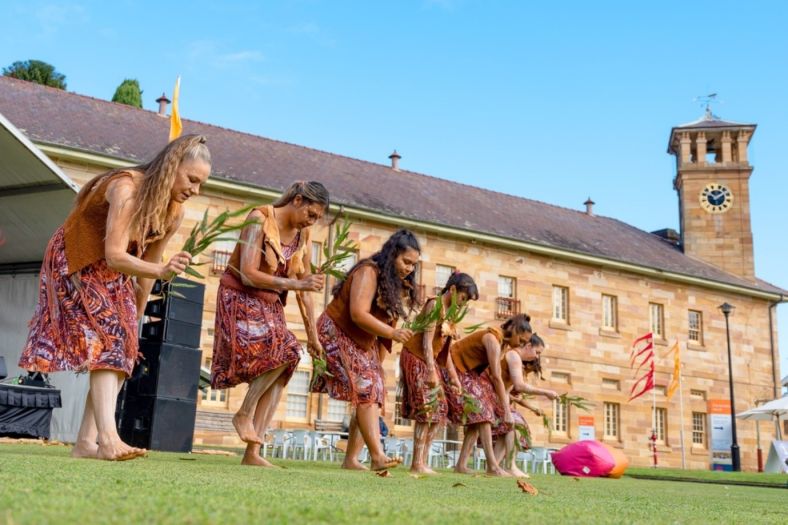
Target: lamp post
{"x": 726, "y": 310}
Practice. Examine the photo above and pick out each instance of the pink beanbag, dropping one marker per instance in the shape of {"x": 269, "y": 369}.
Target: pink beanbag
{"x": 589, "y": 459}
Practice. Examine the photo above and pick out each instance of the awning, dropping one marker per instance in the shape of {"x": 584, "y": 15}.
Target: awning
{"x": 35, "y": 198}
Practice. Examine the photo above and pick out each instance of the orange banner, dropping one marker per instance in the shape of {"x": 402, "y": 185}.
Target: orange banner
{"x": 719, "y": 406}
{"x": 585, "y": 421}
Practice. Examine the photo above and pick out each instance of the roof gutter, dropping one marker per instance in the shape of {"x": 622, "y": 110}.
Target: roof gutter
{"x": 249, "y": 190}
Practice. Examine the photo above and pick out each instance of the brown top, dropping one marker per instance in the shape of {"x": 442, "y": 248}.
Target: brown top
{"x": 339, "y": 312}
{"x": 469, "y": 353}
{"x": 440, "y": 341}
{"x": 85, "y": 229}
{"x": 273, "y": 259}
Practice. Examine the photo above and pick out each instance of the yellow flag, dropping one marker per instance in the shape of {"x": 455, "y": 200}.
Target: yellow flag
{"x": 176, "y": 127}
{"x": 674, "y": 380}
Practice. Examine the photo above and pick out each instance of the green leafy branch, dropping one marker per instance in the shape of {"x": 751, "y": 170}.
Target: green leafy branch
{"x": 578, "y": 402}
{"x": 341, "y": 249}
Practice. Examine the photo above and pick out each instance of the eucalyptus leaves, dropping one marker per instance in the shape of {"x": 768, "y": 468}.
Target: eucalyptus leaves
{"x": 338, "y": 252}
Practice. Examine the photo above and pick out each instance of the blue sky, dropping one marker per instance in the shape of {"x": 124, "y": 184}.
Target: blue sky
{"x": 551, "y": 101}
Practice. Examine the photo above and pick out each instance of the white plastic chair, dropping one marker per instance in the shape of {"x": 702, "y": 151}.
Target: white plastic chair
{"x": 301, "y": 444}
{"x": 391, "y": 446}
{"x": 436, "y": 456}
{"x": 321, "y": 445}
{"x": 480, "y": 460}
{"x": 524, "y": 458}
{"x": 541, "y": 456}
{"x": 280, "y": 441}
{"x": 406, "y": 451}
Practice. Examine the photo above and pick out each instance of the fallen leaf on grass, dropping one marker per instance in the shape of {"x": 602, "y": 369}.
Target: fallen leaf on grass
{"x": 188, "y": 459}
{"x": 527, "y": 488}
{"x": 214, "y": 452}
{"x": 416, "y": 476}
{"x": 383, "y": 474}
{"x": 459, "y": 485}
{"x": 576, "y": 479}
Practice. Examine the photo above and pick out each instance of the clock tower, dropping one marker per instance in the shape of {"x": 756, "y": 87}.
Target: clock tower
{"x": 712, "y": 181}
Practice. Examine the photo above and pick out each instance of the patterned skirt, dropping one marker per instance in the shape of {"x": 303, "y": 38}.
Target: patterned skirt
{"x": 83, "y": 322}
{"x": 477, "y": 387}
{"x": 416, "y": 393}
{"x": 356, "y": 374}
{"x": 501, "y": 429}
{"x": 250, "y": 339}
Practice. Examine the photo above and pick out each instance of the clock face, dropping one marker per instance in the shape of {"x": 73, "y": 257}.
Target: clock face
{"x": 716, "y": 198}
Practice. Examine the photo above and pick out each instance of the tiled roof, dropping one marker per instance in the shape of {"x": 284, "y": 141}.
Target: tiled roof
{"x": 57, "y": 117}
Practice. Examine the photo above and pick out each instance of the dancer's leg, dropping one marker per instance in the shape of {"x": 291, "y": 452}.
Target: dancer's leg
{"x": 367, "y": 415}
{"x": 468, "y": 444}
{"x": 264, "y": 412}
{"x": 243, "y": 420}
{"x": 493, "y": 469}
{"x": 86, "y": 446}
{"x": 103, "y": 395}
{"x": 419, "y": 448}
{"x": 355, "y": 442}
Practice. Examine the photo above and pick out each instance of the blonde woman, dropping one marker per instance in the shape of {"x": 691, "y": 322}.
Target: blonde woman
{"x": 98, "y": 270}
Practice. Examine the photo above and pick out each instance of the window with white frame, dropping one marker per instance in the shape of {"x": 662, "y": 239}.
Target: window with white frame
{"x": 442, "y": 274}
{"x": 699, "y": 429}
{"x": 610, "y": 312}
{"x": 695, "y": 333}
{"x": 560, "y": 377}
{"x": 298, "y": 395}
{"x": 612, "y": 414}
{"x": 507, "y": 287}
{"x": 657, "y": 320}
{"x": 611, "y": 384}
{"x": 336, "y": 410}
{"x": 560, "y": 417}
{"x": 317, "y": 253}
{"x": 399, "y": 418}
{"x": 561, "y": 304}
{"x": 659, "y": 422}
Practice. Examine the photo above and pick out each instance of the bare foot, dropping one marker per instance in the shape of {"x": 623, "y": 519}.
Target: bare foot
{"x": 84, "y": 450}
{"x": 517, "y": 473}
{"x": 385, "y": 462}
{"x": 116, "y": 450}
{"x": 353, "y": 465}
{"x": 245, "y": 428}
{"x": 255, "y": 460}
{"x": 140, "y": 452}
{"x": 462, "y": 470}
{"x": 498, "y": 472}
{"x": 421, "y": 469}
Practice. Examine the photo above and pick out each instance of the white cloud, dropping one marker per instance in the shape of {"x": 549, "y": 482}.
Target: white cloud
{"x": 209, "y": 52}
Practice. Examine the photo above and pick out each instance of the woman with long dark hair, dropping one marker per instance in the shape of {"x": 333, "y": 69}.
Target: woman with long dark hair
{"x": 252, "y": 343}
{"x": 422, "y": 364}
{"x": 357, "y": 329}
{"x": 97, "y": 273}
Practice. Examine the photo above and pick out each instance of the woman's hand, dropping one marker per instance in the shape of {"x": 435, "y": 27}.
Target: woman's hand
{"x": 311, "y": 283}
{"x": 507, "y": 417}
{"x": 315, "y": 349}
{"x": 537, "y": 411}
{"x": 401, "y": 335}
{"x": 176, "y": 265}
{"x": 550, "y": 394}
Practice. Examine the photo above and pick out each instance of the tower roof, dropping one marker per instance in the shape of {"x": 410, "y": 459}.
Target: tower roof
{"x": 709, "y": 121}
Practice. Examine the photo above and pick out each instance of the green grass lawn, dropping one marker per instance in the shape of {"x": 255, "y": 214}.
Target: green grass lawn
{"x": 709, "y": 476}
{"x": 44, "y": 485}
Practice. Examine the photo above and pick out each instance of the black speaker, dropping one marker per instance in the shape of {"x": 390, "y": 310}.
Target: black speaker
{"x": 186, "y": 289}
{"x": 171, "y": 331}
{"x": 166, "y": 370}
{"x": 158, "y": 423}
{"x": 3, "y": 369}
{"x": 176, "y": 309}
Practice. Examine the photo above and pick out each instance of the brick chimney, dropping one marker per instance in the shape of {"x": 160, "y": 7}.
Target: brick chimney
{"x": 163, "y": 102}
{"x": 395, "y": 160}
{"x": 589, "y": 207}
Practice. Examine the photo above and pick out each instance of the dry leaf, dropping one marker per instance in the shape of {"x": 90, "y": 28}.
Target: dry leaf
{"x": 187, "y": 459}
{"x": 214, "y": 452}
{"x": 576, "y": 479}
{"x": 459, "y": 485}
{"x": 527, "y": 488}
{"x": 383, "y": 474}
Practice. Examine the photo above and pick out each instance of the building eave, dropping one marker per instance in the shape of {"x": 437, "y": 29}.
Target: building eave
{"x": 241, "y": 189}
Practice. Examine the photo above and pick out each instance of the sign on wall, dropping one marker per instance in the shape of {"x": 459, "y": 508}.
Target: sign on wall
{"x": 585, "y": 426}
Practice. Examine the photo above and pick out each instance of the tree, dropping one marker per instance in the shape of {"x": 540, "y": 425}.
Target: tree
{"x": 129, "y": 93}
{"x": 36, "y": 71}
